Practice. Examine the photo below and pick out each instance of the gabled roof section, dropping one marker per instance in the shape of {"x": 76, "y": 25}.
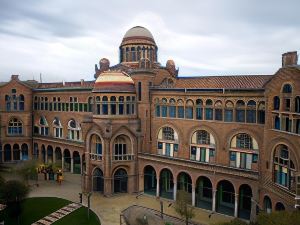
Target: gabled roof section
{"x": 227, "y": 82}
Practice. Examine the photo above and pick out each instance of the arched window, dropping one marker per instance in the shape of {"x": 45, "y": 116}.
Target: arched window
{"x": 240, "y": 111}
{"x": 15, "y": 127}
{"x": 90, "y": 104}
{"x": 251, "y": 112}
{"x": 138, "y": 53}
{"x": 74, "y": 130}
{"x": 98, "y": 105}
{"x": 180, "y": 108}
{"x": 218, "y": 111}
{"x": 113, "y": 107}
{"x": 104, "y": 105}
{"x": 133, "y": 52}
{"x": 122, "y": 148}
{"x": 284, "y": 167}
{"x": 228, "y": 113}
{"x": 35, "y": 103}
{"x": 21, "y": 102}
{"x": 261, "y": 113}
{"x": 57, "y": 128}
{"x": 189, "y": 106}
{"x": 167, "y": 141}
{"x": 276, "y": 103}
{"x": 43, "y": 126}
{"x": 172, "y": 108}
{"x": 243, "y": 152}
{"x": 287, "y": 88}
{"x": 164, "y": 108}
{"x": 297, "y": 104}
{"x": 121, "y": 105}
{"x": 202, "y": 146}
{"x": 96, "y": 146}
{"x": 208, "y": 109}
{"x": 277, "y": 122}
{"x": 199, "y": 109}
{"x": 157, "y": 107}
{"x": 8, "y": 102}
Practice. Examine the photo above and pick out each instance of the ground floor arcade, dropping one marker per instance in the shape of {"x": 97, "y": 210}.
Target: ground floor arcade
{"x": 222, "y": 197}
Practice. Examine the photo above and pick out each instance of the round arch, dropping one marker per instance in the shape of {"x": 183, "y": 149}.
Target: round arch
{"x": 98, "y": 181}
{"x": 279, "y": 206}
{"x": 67, "y": 160}
{"x": 24, "y": 151}
{"x": 7, "y": 153}
{"x": 166, "y": 184}
{"x": 150, "y": 180}
{"x": 267, "y": 204}
{"x": 120, "y": 181}
{"x": 76, "y": 162}
{"x": 123, "y": 147}
{"x": 245, "y": 196}
{"x": 225, "y": 197}
{"x": 58, "y": 157}
{"x": 16, "y": 152}
{"x": 49, "y": 154}
{"x": 43, "y": 150}
{"x": 204, "y": 193}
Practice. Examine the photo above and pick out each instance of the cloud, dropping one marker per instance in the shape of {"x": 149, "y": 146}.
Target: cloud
{"x": 64, "y": 39}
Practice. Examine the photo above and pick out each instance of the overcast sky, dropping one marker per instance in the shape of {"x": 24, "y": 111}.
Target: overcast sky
{"x": 63, "y": 39}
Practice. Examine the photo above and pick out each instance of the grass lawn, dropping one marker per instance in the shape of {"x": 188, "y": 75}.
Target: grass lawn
{"x": 37, "y": 208}
{"x": 79, "y": 217}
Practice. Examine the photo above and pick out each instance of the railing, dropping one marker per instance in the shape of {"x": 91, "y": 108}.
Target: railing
{"x": 125, "y": 157}
{"x": 94, "y": 156}
{"x": 213, "y": 167}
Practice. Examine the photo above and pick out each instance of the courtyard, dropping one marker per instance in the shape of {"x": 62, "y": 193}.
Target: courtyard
{"x": 108, "y": 209}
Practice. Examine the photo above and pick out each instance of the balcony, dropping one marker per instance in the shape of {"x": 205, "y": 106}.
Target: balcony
{"x": 124, "y": 157}
{"x": 205, "y": 166}
{"x": 96, "y": 157}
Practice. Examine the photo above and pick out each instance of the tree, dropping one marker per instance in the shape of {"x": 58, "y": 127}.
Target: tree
{"x": 13, "y": 192}
{"x": 182, "y": 207}
{"x": 28, "y": 170}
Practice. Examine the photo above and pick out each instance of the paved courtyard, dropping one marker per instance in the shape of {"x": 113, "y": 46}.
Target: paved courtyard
{"x": 109, "y": 209}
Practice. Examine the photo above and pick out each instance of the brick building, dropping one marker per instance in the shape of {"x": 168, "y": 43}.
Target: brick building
{"x": 230, "y": 141}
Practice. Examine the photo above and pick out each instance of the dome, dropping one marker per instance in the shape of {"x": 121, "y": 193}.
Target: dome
{"x": 138, "y": 31}
{"x": 114, "y": 81}
{"x": 138, "y": 34}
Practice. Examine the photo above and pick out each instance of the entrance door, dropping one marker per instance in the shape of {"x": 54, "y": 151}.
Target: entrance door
{"x": 120, "y": 181}
{"x": 98, "y": 182}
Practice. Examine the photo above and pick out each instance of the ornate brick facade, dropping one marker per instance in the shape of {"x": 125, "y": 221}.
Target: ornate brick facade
{"x": 230, "y": 141}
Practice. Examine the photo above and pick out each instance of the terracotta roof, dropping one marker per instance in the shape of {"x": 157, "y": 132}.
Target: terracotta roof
{"x": 114, "y": 81}
{"x": 237, "y": 81}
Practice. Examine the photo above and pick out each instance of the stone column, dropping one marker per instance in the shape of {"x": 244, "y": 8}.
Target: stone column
{"x": 193, "y": 195}
{"x": 175, "y": 191}
{"x": 72, "y": 164}
{"x": 236, "y": 201}
{"x": 81, "y": 164}
{"x": 214, "y": 200}
{"x": 62, "y": 163}
{"x": 157, "y": 186}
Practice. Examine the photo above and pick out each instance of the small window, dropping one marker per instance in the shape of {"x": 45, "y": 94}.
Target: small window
{"x": 287, "y": 88}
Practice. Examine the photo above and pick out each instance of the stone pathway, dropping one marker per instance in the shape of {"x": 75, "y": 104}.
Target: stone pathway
{"x": 58, "y": 214}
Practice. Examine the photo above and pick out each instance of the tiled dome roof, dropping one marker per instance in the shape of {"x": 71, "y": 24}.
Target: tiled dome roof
{"x": 138, "y": 31}
{"x": 114, "y": 81}
{"x": 138, "y": 34}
